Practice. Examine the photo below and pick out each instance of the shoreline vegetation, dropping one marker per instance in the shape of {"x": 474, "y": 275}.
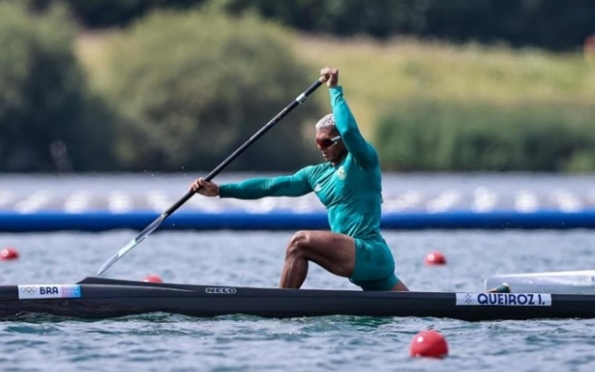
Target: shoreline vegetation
{"x": 489, "y": 108}
{"x": 377, "y": 73}
{"x": 133, "y": 100}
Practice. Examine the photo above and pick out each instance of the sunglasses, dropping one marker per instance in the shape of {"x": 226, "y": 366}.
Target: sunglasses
{"x": 325, "y": 143}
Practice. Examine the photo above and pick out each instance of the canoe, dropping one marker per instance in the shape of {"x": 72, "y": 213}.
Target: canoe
{"x": 102, "y": 298}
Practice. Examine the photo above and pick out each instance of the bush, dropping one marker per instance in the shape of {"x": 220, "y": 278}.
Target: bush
{"x": 44, "y": 104}
{"x": 193, "y": 87}
{"x": 425, "y": 135}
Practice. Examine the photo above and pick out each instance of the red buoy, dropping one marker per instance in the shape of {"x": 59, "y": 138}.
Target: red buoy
{"x": 428, "y": 344}
{"x": 435, "y": 258}
{"x": 153, "y": 279}
{"x": 9, "y": 253}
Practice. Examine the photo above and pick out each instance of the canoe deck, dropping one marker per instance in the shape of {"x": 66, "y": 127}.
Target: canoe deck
{"x": 99, "y": 298}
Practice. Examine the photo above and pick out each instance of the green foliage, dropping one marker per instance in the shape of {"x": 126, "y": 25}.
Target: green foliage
{"x": 378, "y": 74}
{"x": 434, "y": 135}
{"x": 193, "y": 87}
{"x": 377, "y": 18}
{"x": 105, "y": 13}
{"x": 549, "y": 24}
{"x": 515, "y": 22}
{"x": 44, "y": 104}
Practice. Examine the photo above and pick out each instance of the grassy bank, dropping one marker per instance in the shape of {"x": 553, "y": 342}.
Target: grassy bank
{"x": 379, "y": 74}
{"x": 376, "y": 75}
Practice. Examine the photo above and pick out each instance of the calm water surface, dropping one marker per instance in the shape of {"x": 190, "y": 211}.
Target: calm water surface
{"x": 161, "y": 342}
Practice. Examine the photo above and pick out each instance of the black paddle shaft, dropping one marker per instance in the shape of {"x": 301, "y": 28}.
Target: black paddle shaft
{"x": 155, "y": 224}
{"x": 300, "y": 99}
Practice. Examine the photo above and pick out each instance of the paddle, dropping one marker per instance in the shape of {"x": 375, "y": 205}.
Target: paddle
{"x": 155, "y": 224}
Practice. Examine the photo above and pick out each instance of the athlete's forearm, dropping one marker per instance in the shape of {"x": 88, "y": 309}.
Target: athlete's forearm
{"x": 262, "y": 187}
{"x": 363, "y": 153}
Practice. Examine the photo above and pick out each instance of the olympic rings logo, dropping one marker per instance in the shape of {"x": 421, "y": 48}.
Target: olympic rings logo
{"x": 28, "y": 290}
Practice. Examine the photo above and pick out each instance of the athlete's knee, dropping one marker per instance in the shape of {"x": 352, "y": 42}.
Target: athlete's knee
{"x": 298, "y": 242}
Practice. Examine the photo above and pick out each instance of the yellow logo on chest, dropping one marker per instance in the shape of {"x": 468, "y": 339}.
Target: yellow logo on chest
{"x": 341, "y": 174}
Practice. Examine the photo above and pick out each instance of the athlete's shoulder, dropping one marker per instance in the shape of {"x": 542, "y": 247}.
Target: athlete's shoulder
{"x": 374, "y": 165}
{"x": 314, "y": 170}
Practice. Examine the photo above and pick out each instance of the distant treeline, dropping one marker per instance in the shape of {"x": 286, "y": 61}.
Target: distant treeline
{"x": 180, "y": 90}
{"x": 48, "y": 113}
{"x": 548, "y": 24}
{"x": 432, "y": 135}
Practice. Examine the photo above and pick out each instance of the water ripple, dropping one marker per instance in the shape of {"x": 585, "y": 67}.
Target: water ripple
{"x": 163, "y": 342}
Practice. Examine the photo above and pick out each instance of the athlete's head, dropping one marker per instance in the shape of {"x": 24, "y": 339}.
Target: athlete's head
{"x": 328, "y": 139}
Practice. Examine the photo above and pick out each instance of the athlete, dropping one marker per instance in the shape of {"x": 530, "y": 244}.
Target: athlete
{"x": 349, "y": 186}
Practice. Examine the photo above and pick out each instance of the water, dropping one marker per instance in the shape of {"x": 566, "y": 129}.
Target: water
{"x": 161, "y": 342}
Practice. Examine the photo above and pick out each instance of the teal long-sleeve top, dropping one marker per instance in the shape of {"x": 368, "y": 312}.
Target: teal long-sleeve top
{"x": 350, "y": 191}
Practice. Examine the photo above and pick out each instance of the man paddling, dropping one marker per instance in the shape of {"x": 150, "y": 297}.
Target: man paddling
{"x": 349, "y": 186}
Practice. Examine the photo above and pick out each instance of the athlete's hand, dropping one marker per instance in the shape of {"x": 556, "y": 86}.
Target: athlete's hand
{"x": 330, "y": 75}
{"x": 205, "y": 188}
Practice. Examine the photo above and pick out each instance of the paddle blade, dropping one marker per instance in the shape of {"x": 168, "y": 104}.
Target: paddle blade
{"x": 133, "y": 243}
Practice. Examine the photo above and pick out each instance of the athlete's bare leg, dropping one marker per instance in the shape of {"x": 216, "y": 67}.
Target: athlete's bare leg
{"x": 334, "y": 252}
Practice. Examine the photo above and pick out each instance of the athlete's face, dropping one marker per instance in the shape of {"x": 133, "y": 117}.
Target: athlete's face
{"x": 330, "y": 144}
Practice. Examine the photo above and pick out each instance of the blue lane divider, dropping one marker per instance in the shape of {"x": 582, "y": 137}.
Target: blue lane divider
{"x": 240, "y": 220}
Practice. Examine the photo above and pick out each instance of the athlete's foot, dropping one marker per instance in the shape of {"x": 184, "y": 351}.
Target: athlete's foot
{"x": 502, "y": 288}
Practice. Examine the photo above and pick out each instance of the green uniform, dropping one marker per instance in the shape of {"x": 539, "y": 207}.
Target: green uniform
{"x": 351, "y": 193}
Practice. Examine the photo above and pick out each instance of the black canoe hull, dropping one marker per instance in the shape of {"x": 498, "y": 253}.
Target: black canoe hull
{"x": 107, "y": 298}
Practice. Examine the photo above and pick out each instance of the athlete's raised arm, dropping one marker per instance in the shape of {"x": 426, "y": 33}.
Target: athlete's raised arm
{"x": 363, "y": 152}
